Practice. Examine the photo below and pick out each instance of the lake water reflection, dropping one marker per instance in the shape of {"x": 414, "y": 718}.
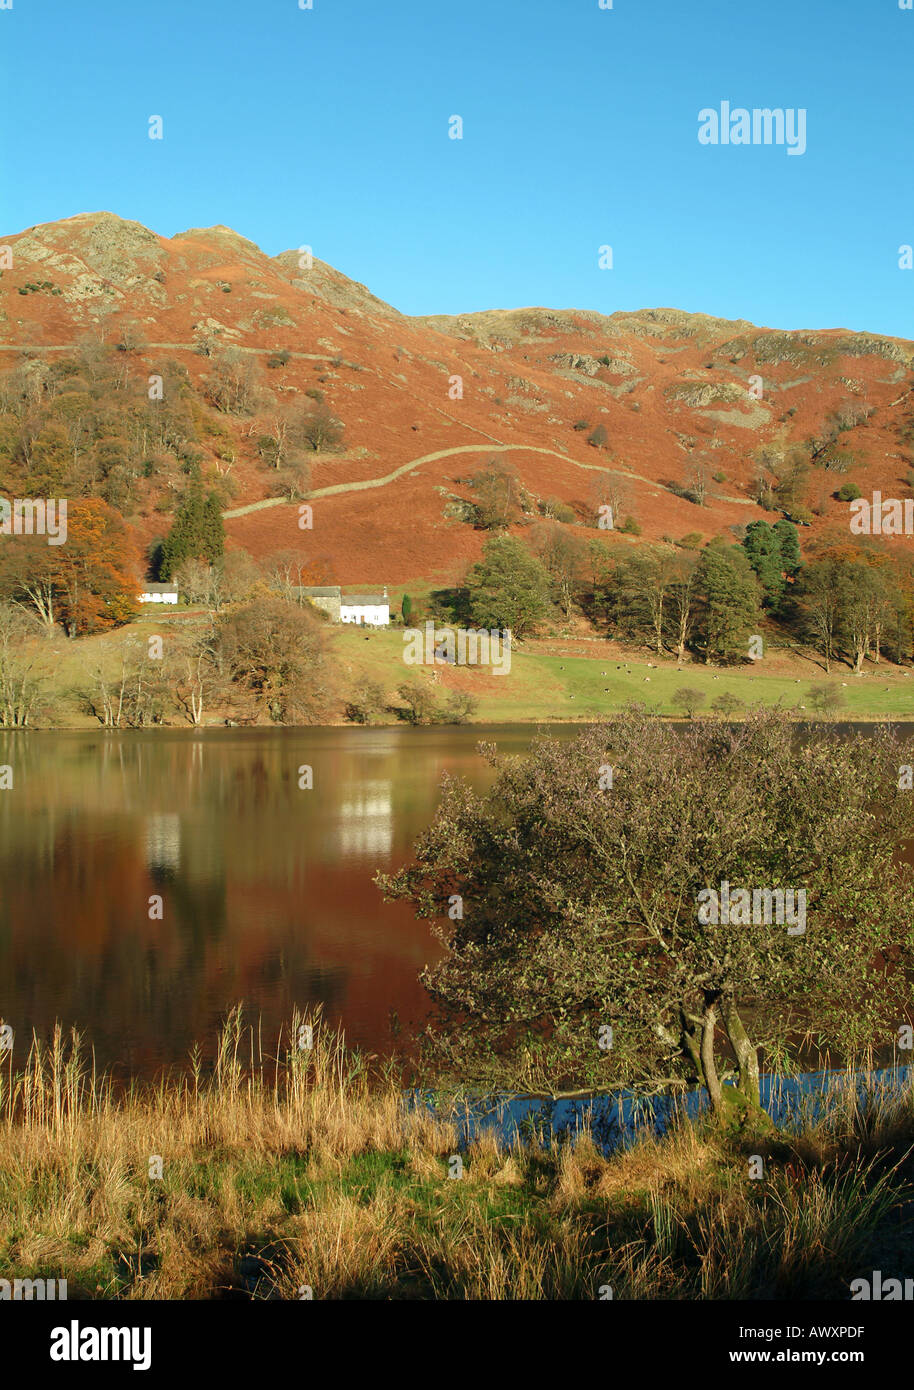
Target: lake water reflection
{"x": 267, "y": 889}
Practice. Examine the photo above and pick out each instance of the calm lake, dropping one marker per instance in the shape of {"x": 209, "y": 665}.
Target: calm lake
{"x": 267, "y": 889}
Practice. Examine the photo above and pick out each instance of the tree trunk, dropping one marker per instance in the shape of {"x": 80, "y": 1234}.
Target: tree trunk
{"x": 746, "y": 1054}
{"x": 691, "y": 1036}
{"x": 708, "y": 1066}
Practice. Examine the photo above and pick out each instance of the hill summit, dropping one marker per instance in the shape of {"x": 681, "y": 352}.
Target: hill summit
{"x": 694, "y": 419}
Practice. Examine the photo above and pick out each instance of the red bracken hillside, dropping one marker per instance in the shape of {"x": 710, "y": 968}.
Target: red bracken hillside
{"x": 670, "y": 389}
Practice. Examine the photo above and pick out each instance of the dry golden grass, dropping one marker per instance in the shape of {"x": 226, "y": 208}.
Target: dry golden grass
{"x": 302, "y": 1171}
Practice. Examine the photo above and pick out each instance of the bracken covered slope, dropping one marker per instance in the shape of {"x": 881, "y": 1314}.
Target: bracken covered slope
{"x": 671, "y": 390}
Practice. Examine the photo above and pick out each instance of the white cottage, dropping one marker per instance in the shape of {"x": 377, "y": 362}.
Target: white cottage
{"x": 159, "y": 593}
{"x": 368, "y": 610}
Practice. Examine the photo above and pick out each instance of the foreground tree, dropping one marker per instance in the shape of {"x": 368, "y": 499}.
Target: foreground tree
{"x": 570, "y": 901}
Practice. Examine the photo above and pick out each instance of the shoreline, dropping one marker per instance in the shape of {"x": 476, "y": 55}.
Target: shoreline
{"x": 404, "y": 725}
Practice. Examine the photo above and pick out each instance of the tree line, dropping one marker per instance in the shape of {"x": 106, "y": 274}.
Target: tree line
{"x": 850, "y": 600}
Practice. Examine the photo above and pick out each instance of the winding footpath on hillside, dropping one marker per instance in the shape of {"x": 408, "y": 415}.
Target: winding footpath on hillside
{"x": 360, "y": 486}
{"x": 337, "y": 489}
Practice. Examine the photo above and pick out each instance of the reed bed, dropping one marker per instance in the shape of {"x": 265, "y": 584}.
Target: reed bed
{"x": 301, "y": 1172}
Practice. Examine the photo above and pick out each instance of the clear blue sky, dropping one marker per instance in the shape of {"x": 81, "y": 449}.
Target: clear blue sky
{"x": 330, "y": 127}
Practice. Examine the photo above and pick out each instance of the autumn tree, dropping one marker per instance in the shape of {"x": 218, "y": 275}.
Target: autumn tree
{"x": 825, "y": 699}
{"x": 289, "y": 571}
{"x": 727, "y": 705}
{"x": 498, "y": 495}
{"x": 609, "y": 489}
{"x": 20, "y": 686}
{"x": 638, "y": 597}
{"x": 587, "y": 911}
{"x": 793, "y": 482}
{"x": 273, "y": 654}
{"x": 418, "y": 696}
{"x": 683, "y": 603}
{"x": 86, "y": 583}
{"x": 689, "y": 698}
{"x": 234, "y": 384}
{"x": 134, "y": 690}
{"x": 31, "y": 575}
{"x": 319, "y": 429}
{"x": 819, "y": 605}
{"x": 562, "y": 555}
{"x": 197, "y": 672}
{"x": 231, "y": 578}
{"x": 697, "y": 484}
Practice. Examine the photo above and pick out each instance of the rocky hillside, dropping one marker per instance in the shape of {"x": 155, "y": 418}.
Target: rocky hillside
{"x": 694, "y": 417}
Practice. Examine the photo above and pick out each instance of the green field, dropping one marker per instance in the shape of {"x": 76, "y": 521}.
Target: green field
{"x": 542, "y": 687}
